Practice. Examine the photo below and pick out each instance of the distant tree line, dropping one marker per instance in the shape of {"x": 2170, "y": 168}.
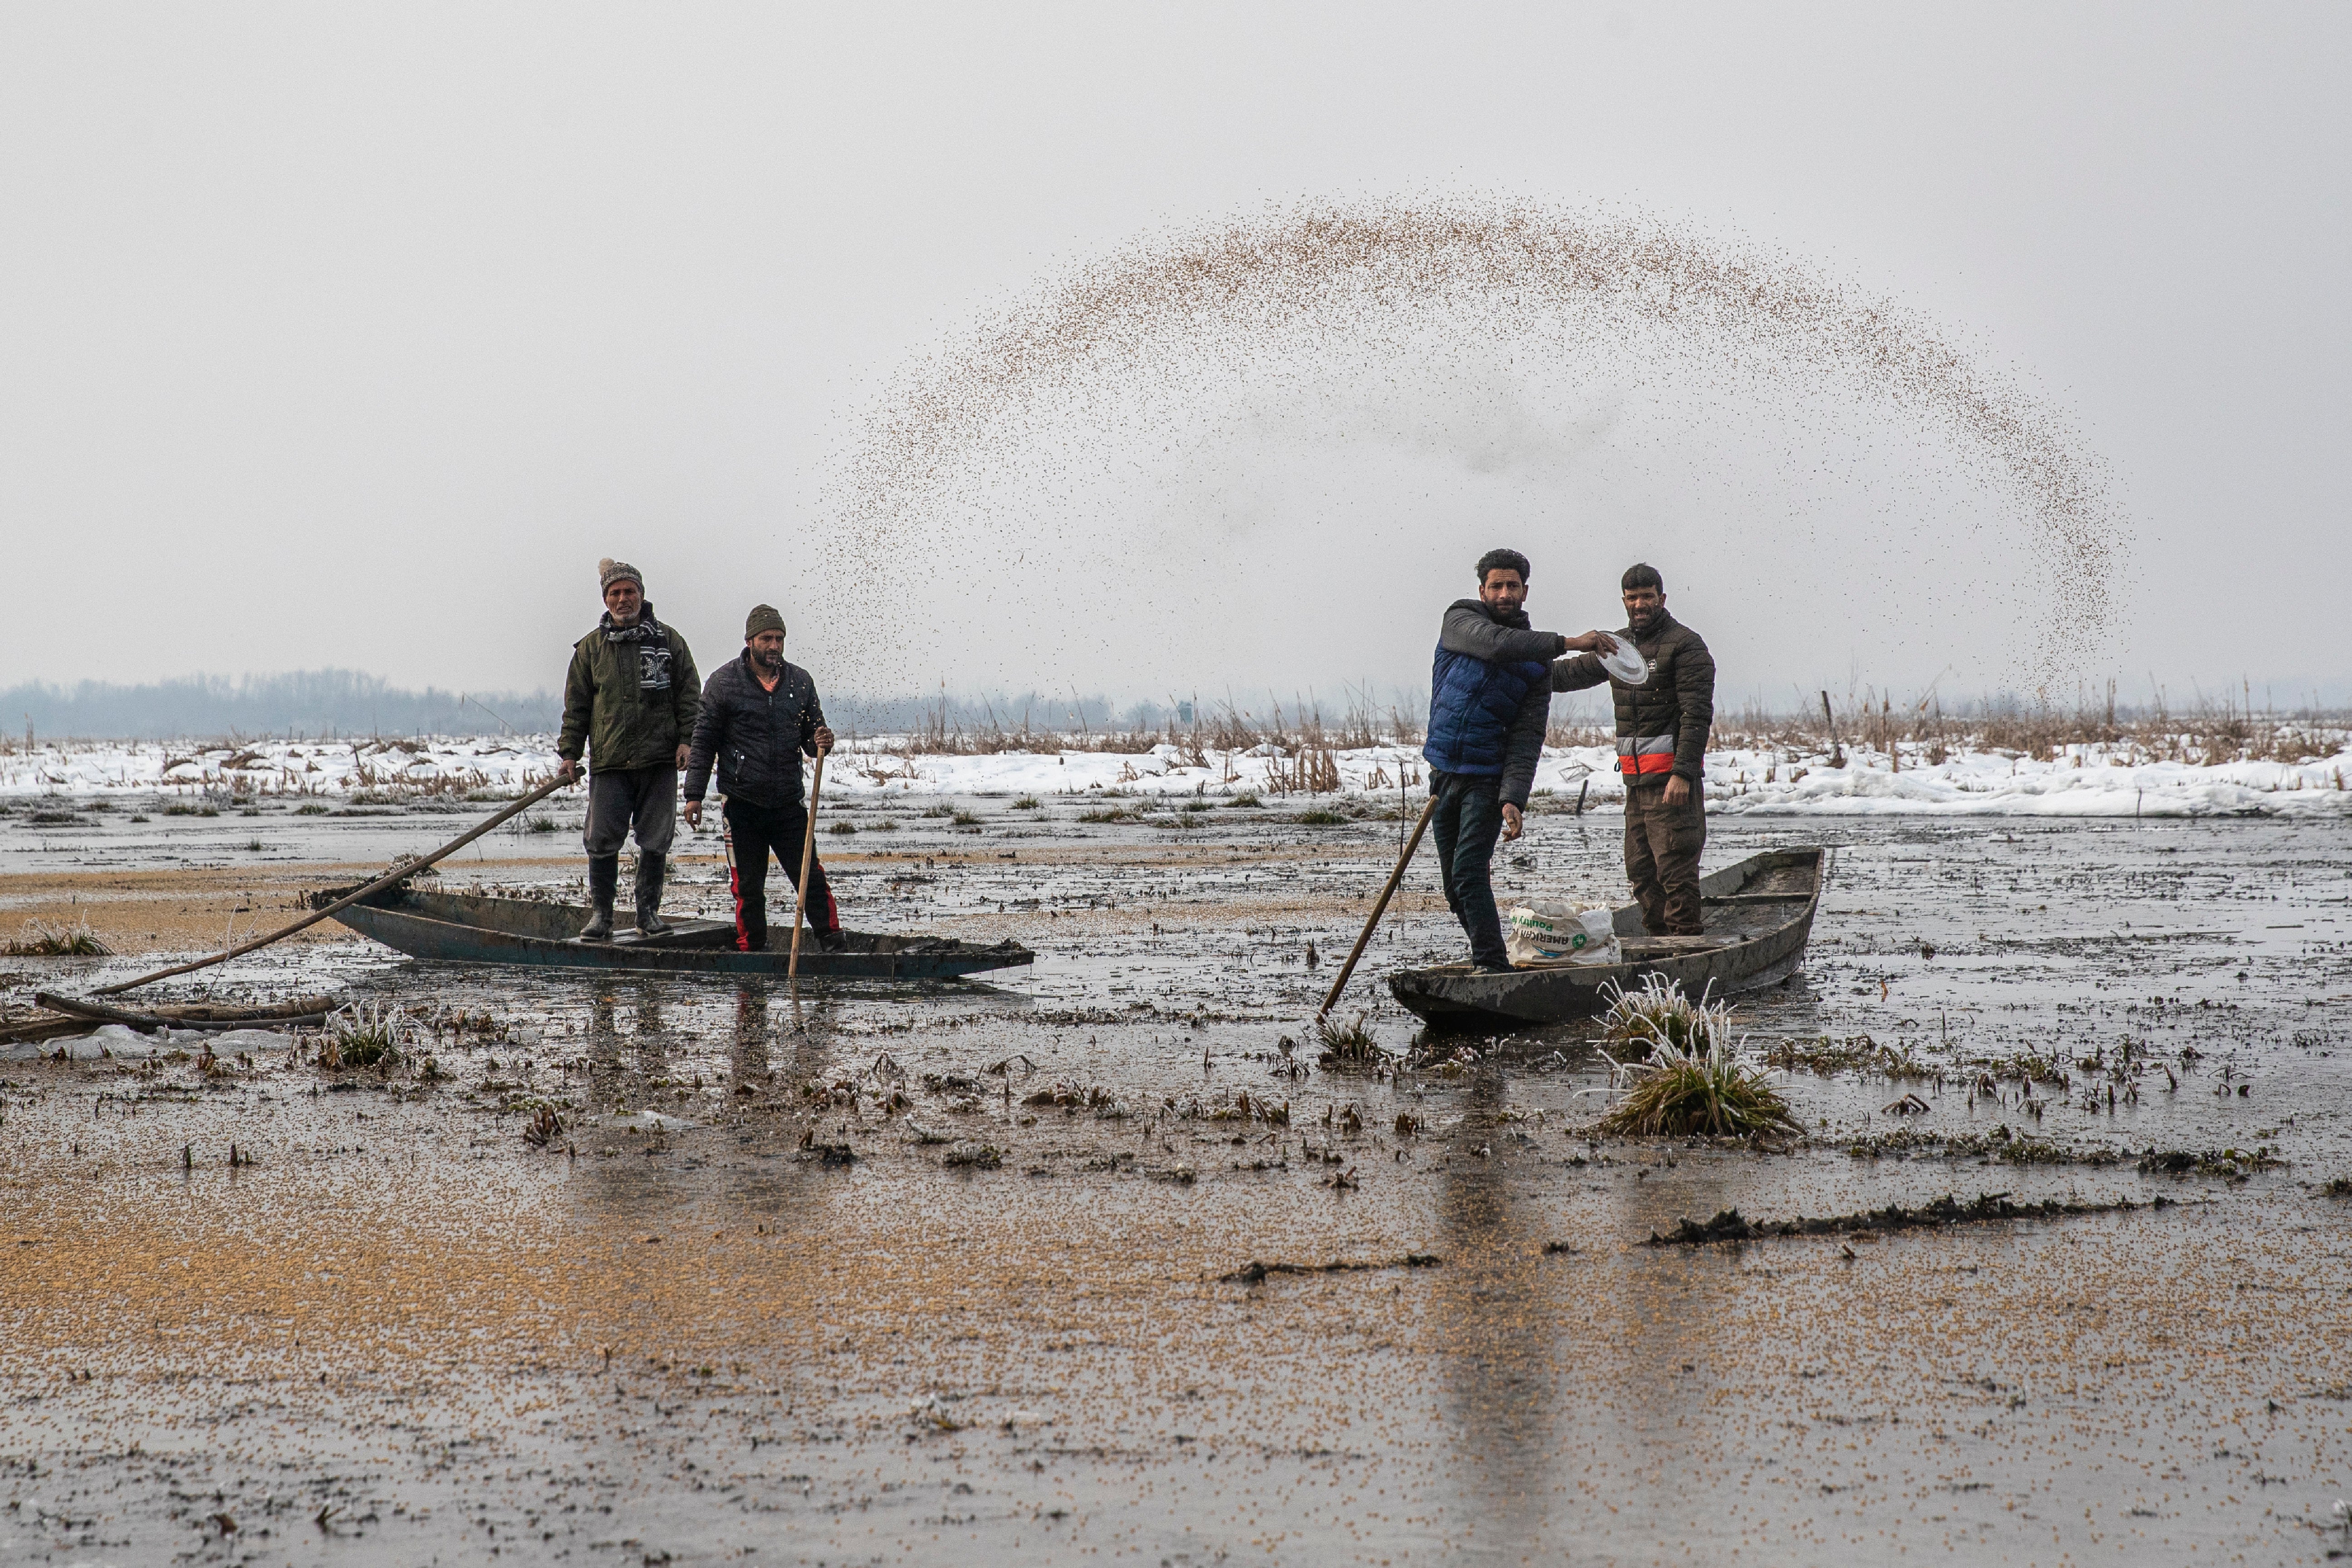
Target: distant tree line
{"x": 318, "y": 704}
{"x": 311, "y": 703}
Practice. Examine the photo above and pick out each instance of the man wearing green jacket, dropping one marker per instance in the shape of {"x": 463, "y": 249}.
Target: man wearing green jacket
{"x": 629, "y": 702}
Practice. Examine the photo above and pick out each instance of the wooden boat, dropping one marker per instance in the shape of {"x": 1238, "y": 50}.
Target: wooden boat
{"x": 462, "y": 927}
{"x": 1757, "y": 915}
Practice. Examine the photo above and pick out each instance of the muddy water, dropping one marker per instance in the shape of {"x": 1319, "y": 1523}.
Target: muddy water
{"x": 404, "y": 1334}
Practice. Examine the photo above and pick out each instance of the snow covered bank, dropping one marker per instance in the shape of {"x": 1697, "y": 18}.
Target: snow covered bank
{"x": 2084, "y": 780}
{"x": 2088, "y": 781}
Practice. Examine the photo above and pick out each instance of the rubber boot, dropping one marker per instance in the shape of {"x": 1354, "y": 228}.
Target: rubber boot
{"x": 650, "y": 871}
{"x": 604, "y": 881}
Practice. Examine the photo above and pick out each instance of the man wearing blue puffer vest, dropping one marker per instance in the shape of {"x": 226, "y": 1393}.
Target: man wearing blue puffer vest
{"x": 1489, "y": 699}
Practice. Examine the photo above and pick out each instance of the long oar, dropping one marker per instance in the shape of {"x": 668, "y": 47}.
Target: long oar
{"x": 1379, "y": 908}
{"x": 799, "y": 892}
{"x": 408, "y": 868}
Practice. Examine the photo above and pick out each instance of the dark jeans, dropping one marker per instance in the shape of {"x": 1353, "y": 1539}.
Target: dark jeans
{"x": 1662, "y": 850}
{"x": 1469, "y": 819}
{"x": 755, "y": 831}
{"x": 621, "y": 797}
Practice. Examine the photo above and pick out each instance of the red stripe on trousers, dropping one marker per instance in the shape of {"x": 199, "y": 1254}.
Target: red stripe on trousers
{"x": 735, "y": 890}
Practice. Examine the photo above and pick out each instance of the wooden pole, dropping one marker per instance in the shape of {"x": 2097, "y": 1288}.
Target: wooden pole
{"x": 1379, "y": 908}
{"x": 800, "y": 893}
{"x": 381, "y": 883}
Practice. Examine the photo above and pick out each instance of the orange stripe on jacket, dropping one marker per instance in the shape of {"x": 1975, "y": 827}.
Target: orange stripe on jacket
{"x": 1645, "y": 755}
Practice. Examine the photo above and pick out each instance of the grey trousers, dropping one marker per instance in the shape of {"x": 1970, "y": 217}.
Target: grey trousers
{"x": 1662, "y": 849}
{"x": 619, "y": 798}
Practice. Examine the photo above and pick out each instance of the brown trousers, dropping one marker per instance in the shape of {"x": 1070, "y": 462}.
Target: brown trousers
{"x": 1662, "y": 849}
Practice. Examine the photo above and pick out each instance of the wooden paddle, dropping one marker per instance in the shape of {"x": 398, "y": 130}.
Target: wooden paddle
{"x": 407, "y": 868}
{"x": 799, "y": 891}
{"x": 1379, "y": 908}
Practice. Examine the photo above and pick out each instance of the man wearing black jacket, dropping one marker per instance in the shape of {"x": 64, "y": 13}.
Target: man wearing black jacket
{"x": 1662, "y": 731}
{"x": 760, "y": 716}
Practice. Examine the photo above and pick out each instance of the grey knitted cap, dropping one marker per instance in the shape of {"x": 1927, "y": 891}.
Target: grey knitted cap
{"x": 609, "y": 572}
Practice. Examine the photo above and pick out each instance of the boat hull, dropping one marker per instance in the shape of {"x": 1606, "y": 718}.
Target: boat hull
{"x": 456, "y": 928}
{"x": 1762, "y": 912}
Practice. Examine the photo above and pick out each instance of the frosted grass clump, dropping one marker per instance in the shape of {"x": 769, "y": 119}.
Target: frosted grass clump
{"x": 1688, "y": 1082}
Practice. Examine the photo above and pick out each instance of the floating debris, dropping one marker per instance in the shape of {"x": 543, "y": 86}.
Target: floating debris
{"x": 1729, "y": 1225}
{"x": 1257, "y": 1273}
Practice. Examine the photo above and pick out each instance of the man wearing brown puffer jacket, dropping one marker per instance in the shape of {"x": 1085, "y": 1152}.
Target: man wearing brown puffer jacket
{"x": 1661, "y": 727}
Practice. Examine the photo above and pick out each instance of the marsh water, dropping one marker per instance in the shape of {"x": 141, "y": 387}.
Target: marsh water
{"x": 964, "y": 1274}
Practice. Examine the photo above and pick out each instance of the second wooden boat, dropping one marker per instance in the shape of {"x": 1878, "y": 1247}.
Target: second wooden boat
{"x": 463, "y": 928}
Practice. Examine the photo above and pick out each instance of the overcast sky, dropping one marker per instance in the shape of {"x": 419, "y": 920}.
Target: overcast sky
{"x": 338, "y": 335}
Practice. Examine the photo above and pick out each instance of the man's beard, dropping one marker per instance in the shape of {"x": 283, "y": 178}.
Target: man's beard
{"x": 771, "y": 662}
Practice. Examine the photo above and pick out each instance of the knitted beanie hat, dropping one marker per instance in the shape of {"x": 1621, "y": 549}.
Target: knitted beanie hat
{"x": 762, "y": 618}
{"x": 609, "y": 572}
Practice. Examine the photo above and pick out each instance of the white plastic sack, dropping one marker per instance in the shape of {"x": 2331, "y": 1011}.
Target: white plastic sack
{"x": 1550, "y": 931}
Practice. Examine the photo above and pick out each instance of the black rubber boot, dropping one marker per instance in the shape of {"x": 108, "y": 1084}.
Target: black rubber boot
{"x": 604, "y": 881}
{"x": 650, "y": 871}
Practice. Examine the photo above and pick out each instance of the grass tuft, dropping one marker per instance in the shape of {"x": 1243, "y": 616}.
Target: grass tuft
{"x": 1638, "y": 1022}
{"x": 1690, "y": 1083}
{"x": 365, "y": 1037}
{"x": 1347, "y": 1045}
{"x": 56, "y": 939}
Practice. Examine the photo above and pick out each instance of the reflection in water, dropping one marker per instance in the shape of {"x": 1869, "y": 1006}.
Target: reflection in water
{"x": 748, "y": 1062}
{"x": 653, "y": 1034}
{"x": 1495, "y": 1336}
{"x": 758, "y": 1032}
{"x": 649, "y": 1032}
{"x": 603, "y": 1035}
{"x": 1667, "y": 1328}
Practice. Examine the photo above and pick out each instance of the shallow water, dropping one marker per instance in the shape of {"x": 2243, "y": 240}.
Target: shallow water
{"x": 404, "y": 1334}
